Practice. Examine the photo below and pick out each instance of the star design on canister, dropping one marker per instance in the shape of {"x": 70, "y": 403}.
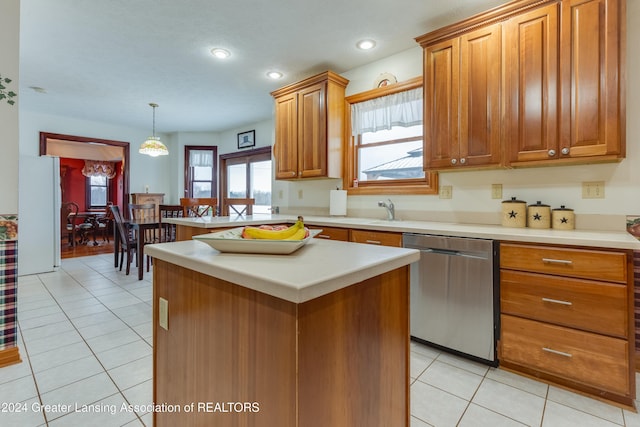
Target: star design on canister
{"x": 537, "y": 217}
{"x": 513, "y": 214}
{"x": 564, "y": 220}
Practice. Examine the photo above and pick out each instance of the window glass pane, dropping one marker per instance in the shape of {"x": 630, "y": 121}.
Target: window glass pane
{"x": 201, "y": 189}
{"x": 391, "y": 161}
{"x": 237, "y": 181}
{"x": 201, "y": 173}
{"x": 98, "y": 196}
{"x": 98, "y": 180}
{"x": 261, "y": 186}
{"x": 396, "y": 132}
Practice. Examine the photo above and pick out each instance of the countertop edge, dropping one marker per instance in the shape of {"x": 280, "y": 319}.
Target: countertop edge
{"x": 588, "y": 238}
{"x": 199, "y": 257}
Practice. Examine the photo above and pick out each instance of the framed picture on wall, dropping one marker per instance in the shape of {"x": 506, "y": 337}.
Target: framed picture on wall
{"x": 247, "y": 139}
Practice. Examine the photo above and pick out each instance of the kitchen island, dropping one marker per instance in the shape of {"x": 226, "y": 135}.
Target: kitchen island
{"x": 319, "y": 337}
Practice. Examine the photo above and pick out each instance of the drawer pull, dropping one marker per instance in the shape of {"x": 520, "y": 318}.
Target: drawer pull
{"x": 557, "y": 261}
{"x": 557, "y": 301}
{"x": 323, "y": 236}
{"x": 374, "y": 242}
{"x": 559, "y": 353}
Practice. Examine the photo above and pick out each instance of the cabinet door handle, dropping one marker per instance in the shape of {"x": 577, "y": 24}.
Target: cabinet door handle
{"x": 557, "y": 301}
{"x": 323, "y": 236}
{"x": 559, "y": 353}
{"x": 373, "y": 242}
{"x": 454, "y": 161}
{"x": 552, "y": 153}
{"x": 565, "y": 151}
{"x": 463, "y": 161}
{"x": 557, "y": 261}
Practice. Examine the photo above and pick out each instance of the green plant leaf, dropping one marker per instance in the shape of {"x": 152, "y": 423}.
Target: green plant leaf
{"x": 7, "y": 80}
{"x": 12, "y": 94}
{"x": 11, "y": 102}
{"x": 2, "y": 96}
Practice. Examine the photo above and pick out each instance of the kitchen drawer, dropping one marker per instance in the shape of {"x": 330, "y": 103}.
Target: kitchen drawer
{"x": 584, "y": 304}
{"x": 590, "y": 359}
{"x": 584, "y": 263}
{"x": 376, "y": 237}
{"x": 332, "y": 233}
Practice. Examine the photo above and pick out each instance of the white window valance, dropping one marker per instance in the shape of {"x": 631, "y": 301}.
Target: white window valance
{"x": 201, "y": 158}
{"x": 398, "y": 109}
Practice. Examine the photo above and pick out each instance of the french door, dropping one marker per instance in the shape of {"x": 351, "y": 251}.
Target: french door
{"x": 247, "y": 174}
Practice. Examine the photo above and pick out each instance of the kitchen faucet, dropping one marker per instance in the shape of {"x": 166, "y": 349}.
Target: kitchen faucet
{"x": 391, "y": 210}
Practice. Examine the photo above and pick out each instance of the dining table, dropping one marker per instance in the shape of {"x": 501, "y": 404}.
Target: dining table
{"x": 140, "y": 226}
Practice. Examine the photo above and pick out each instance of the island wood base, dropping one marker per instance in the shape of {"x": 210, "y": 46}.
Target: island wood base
{"x": 341, "y": 359}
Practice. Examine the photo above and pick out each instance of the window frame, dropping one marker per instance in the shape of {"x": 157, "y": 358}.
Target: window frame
{"x": 188, "y": 179}
{"x": 426, "y": 185}
{"x": 242, "y": 157}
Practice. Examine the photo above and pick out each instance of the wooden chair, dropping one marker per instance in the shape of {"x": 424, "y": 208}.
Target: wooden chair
{"x": 103, "y": 223}
{"x": 72, "y": 225}
{"x": 127, "y": 243}
{"x": 168, "y": 231}
{"x": 238, "y": 206}
{"x": 144, "y": 211}
{"x": 198, "y": 207}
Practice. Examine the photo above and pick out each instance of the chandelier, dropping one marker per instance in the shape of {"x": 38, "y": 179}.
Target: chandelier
{"x": 153, "y": 146}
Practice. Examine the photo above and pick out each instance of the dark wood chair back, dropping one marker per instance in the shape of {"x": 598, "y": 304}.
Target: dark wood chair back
{"x": 199, "y": 206}
{"x": 127, "y": 243}
{"x": 237, "y": 206}
{"x": 168, "y": 231}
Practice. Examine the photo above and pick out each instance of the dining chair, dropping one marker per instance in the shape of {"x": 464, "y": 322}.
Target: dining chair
{"x": 239, "y": 206}
{"x": 168, "y": 231}
{"x": 103, "y": 223}
{"x": 72, "y": 224}
{"x": 145, "y": 211}
{"x": 127, "y": 242}
{"x": 199, "y": 206}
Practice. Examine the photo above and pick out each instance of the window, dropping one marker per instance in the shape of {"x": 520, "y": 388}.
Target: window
{"x": 247, "y": 174}
{"x": 98, "y": 189}
{"x": 200, "y": 171}
{"x": 385, "y": 151}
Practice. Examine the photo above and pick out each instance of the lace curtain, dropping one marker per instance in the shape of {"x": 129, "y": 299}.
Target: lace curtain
{"x": 398, "y": 109}
{"x": 201, "y": 158}
{"x": 99, "y": 168}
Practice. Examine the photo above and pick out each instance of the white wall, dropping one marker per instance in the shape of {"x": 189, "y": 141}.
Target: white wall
{"x": 9, "y": 56}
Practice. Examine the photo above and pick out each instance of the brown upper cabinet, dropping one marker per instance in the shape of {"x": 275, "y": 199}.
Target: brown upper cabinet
{"x": 552, "y": 94}
{"x": 462, "y": 100}
{"x": 309, "y": 127}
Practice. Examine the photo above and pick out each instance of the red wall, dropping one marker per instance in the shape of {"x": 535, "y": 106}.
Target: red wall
{"x": 74, "y": 184}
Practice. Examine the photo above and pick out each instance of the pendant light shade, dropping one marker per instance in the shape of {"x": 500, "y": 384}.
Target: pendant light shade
{"x": 153, "y": 146}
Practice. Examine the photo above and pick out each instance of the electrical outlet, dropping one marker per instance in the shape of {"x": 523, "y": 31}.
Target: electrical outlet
{"x": 496, "y": 191}
{"x": 593, "y": 190}
{"x": 299, "y": 194}
{"x": 163, "y": 313}
{"x": 446, "y": 191}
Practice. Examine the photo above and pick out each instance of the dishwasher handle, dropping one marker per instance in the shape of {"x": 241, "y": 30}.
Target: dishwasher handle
{"x": 451, "y": 252}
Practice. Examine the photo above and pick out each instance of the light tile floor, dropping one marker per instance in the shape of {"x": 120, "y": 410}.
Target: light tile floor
{"x": 85, "y": 336}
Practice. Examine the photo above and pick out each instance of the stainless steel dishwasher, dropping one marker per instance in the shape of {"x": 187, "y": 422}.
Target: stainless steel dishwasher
{"x": 454, "y": 295}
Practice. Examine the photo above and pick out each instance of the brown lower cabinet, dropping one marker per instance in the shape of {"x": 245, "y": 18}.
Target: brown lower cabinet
{"x": 384, "y": 238}
{"x": 332, "y": 233}
{"x": 567, "y": 317}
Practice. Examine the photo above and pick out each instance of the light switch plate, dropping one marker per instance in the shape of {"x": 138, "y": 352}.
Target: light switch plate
{"x": 163, "y": 313}
{"x": 593, "y": 190}
{"x": 496, "y": 191}
{"x": 446, "y": 191}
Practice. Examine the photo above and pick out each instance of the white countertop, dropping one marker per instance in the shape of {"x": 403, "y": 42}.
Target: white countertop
{"x": 592, "y": 238}
{"x": 318, "y": 268}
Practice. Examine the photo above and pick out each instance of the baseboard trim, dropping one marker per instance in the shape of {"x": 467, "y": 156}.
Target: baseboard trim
{"x": 9, "y": 356}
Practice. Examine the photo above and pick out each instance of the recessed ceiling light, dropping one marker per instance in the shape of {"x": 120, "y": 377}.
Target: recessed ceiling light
{"x": 274, "y": 75}
{"x": 220, "y": 53}
{"x": 366, "y": 44}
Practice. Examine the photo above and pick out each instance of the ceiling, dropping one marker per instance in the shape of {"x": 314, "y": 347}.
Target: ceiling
{"x": 107, "y": 60}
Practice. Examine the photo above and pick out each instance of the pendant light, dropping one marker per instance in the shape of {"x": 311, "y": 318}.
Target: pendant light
{"x": 152, "y": 146}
